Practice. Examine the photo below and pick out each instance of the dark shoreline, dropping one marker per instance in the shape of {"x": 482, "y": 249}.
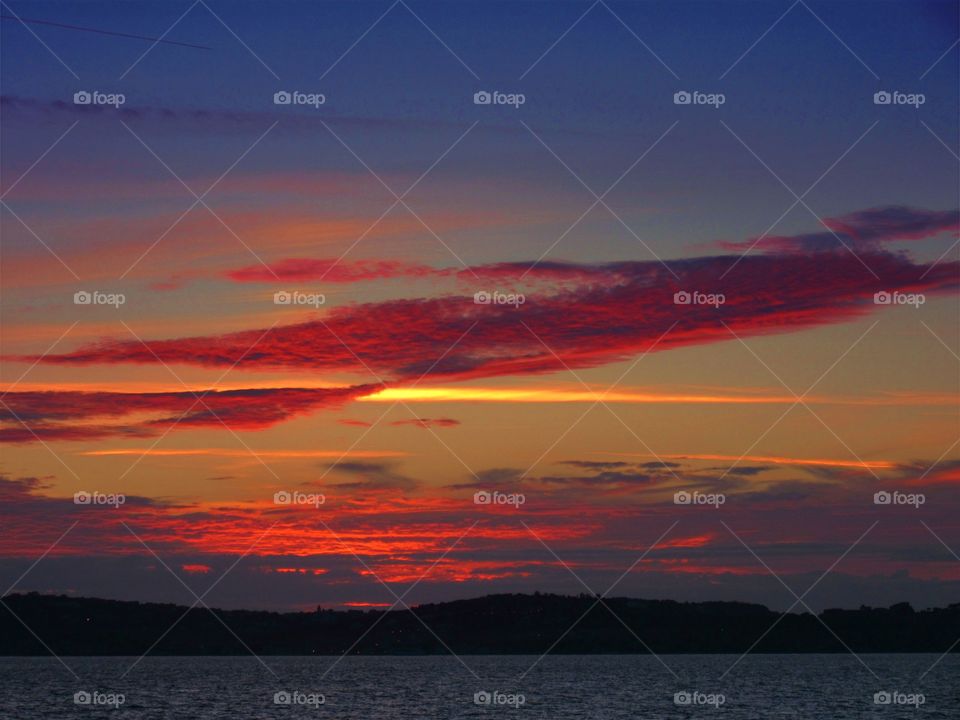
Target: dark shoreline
{"x": 490, "y": 625}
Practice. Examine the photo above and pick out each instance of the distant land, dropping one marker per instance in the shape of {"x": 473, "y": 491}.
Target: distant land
{"x": 494, "y": 624}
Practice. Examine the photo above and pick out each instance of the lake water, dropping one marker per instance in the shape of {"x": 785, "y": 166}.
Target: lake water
{"x": 832, "y": 687}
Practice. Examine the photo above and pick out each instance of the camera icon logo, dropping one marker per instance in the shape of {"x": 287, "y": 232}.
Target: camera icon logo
{"x": 282, "y": 297}
{"x": 682, "y": 97}
{"x": 482, "y": 497}
{"x": 882, "y": 498}
{"x": 682, "y": 698}
{"x": 682, "y": 497}
{"x": 882, "y": 698}
{"x": 482, "y": 698}
{"x": 282, "y": 97}
{"x": 882, "y": 97}
{"x": 82, "y": 98}
{"x": 82, "y": 297}
{"x": 82, "y": 697}
{"x": 82, "y": 498}
{"x": 482, "y": 98}
{"x": 282, "y": 497}
{"x": 682, "y": 298}
{"x": 282, "y": 697}
{"x": 481, "y": 297}
{"x": 882, "y": 298}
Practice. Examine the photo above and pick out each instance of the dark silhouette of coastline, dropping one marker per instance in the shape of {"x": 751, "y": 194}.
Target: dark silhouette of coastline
{"x": 494, "y": 624}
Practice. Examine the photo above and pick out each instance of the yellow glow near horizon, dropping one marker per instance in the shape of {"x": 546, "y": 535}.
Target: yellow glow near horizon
{"x": 573, "y": 395}
{"x": 552, "y": 395}
{"x": 539, "y": 394}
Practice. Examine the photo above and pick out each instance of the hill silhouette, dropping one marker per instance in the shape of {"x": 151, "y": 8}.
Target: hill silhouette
{"x": 494, "y": 624}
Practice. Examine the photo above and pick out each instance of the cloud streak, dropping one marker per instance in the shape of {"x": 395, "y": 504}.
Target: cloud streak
{"x": 584, "y": 315}
{"x": 865, "y": 229}
{"x": 329, "y": 270}
{"x": 65, "y": 414}
{"x": 627, "y": 310}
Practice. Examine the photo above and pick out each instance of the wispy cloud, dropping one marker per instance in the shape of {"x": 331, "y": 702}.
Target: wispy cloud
{"x": 67, "y": 415}
{"x": 584, "y": 326}
{"x": 865, "y": 229}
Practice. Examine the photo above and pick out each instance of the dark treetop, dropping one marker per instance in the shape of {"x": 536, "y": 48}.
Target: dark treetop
{"x": 495, "y": 624}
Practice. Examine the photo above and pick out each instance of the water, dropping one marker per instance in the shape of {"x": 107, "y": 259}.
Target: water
{"x": 833, "y": 687}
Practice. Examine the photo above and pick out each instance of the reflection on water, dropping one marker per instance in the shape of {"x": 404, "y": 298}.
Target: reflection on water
{"x": 838, "y": 687}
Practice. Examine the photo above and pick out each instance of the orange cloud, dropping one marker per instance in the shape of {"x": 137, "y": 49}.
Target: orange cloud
{"x": 223, "y": 452}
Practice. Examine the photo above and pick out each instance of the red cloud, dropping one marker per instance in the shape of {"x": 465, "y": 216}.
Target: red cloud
{"x": 338, "y": 271}
{"x": 384, "y": 525}
{"x": 51, "y": 415}
{"x": 354, "y": 423}
{"x": 401, "y": 536}
{"x": 17, "y": 432}
{"x": 427, "y": 422}
{"x": 865, "y": 229}
{"x": 333, "y": 270}
{"x": 623, "y": 311}
{"x": 585, "y": 315}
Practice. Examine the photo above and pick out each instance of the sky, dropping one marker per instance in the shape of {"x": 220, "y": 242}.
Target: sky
{"x": 386, "y": 344}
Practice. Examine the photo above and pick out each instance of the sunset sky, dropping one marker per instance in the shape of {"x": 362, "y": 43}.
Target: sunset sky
{"x": 399, "y": 396}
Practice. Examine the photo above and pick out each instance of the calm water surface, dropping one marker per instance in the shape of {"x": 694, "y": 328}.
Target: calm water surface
{"x": 832, "y": 687}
